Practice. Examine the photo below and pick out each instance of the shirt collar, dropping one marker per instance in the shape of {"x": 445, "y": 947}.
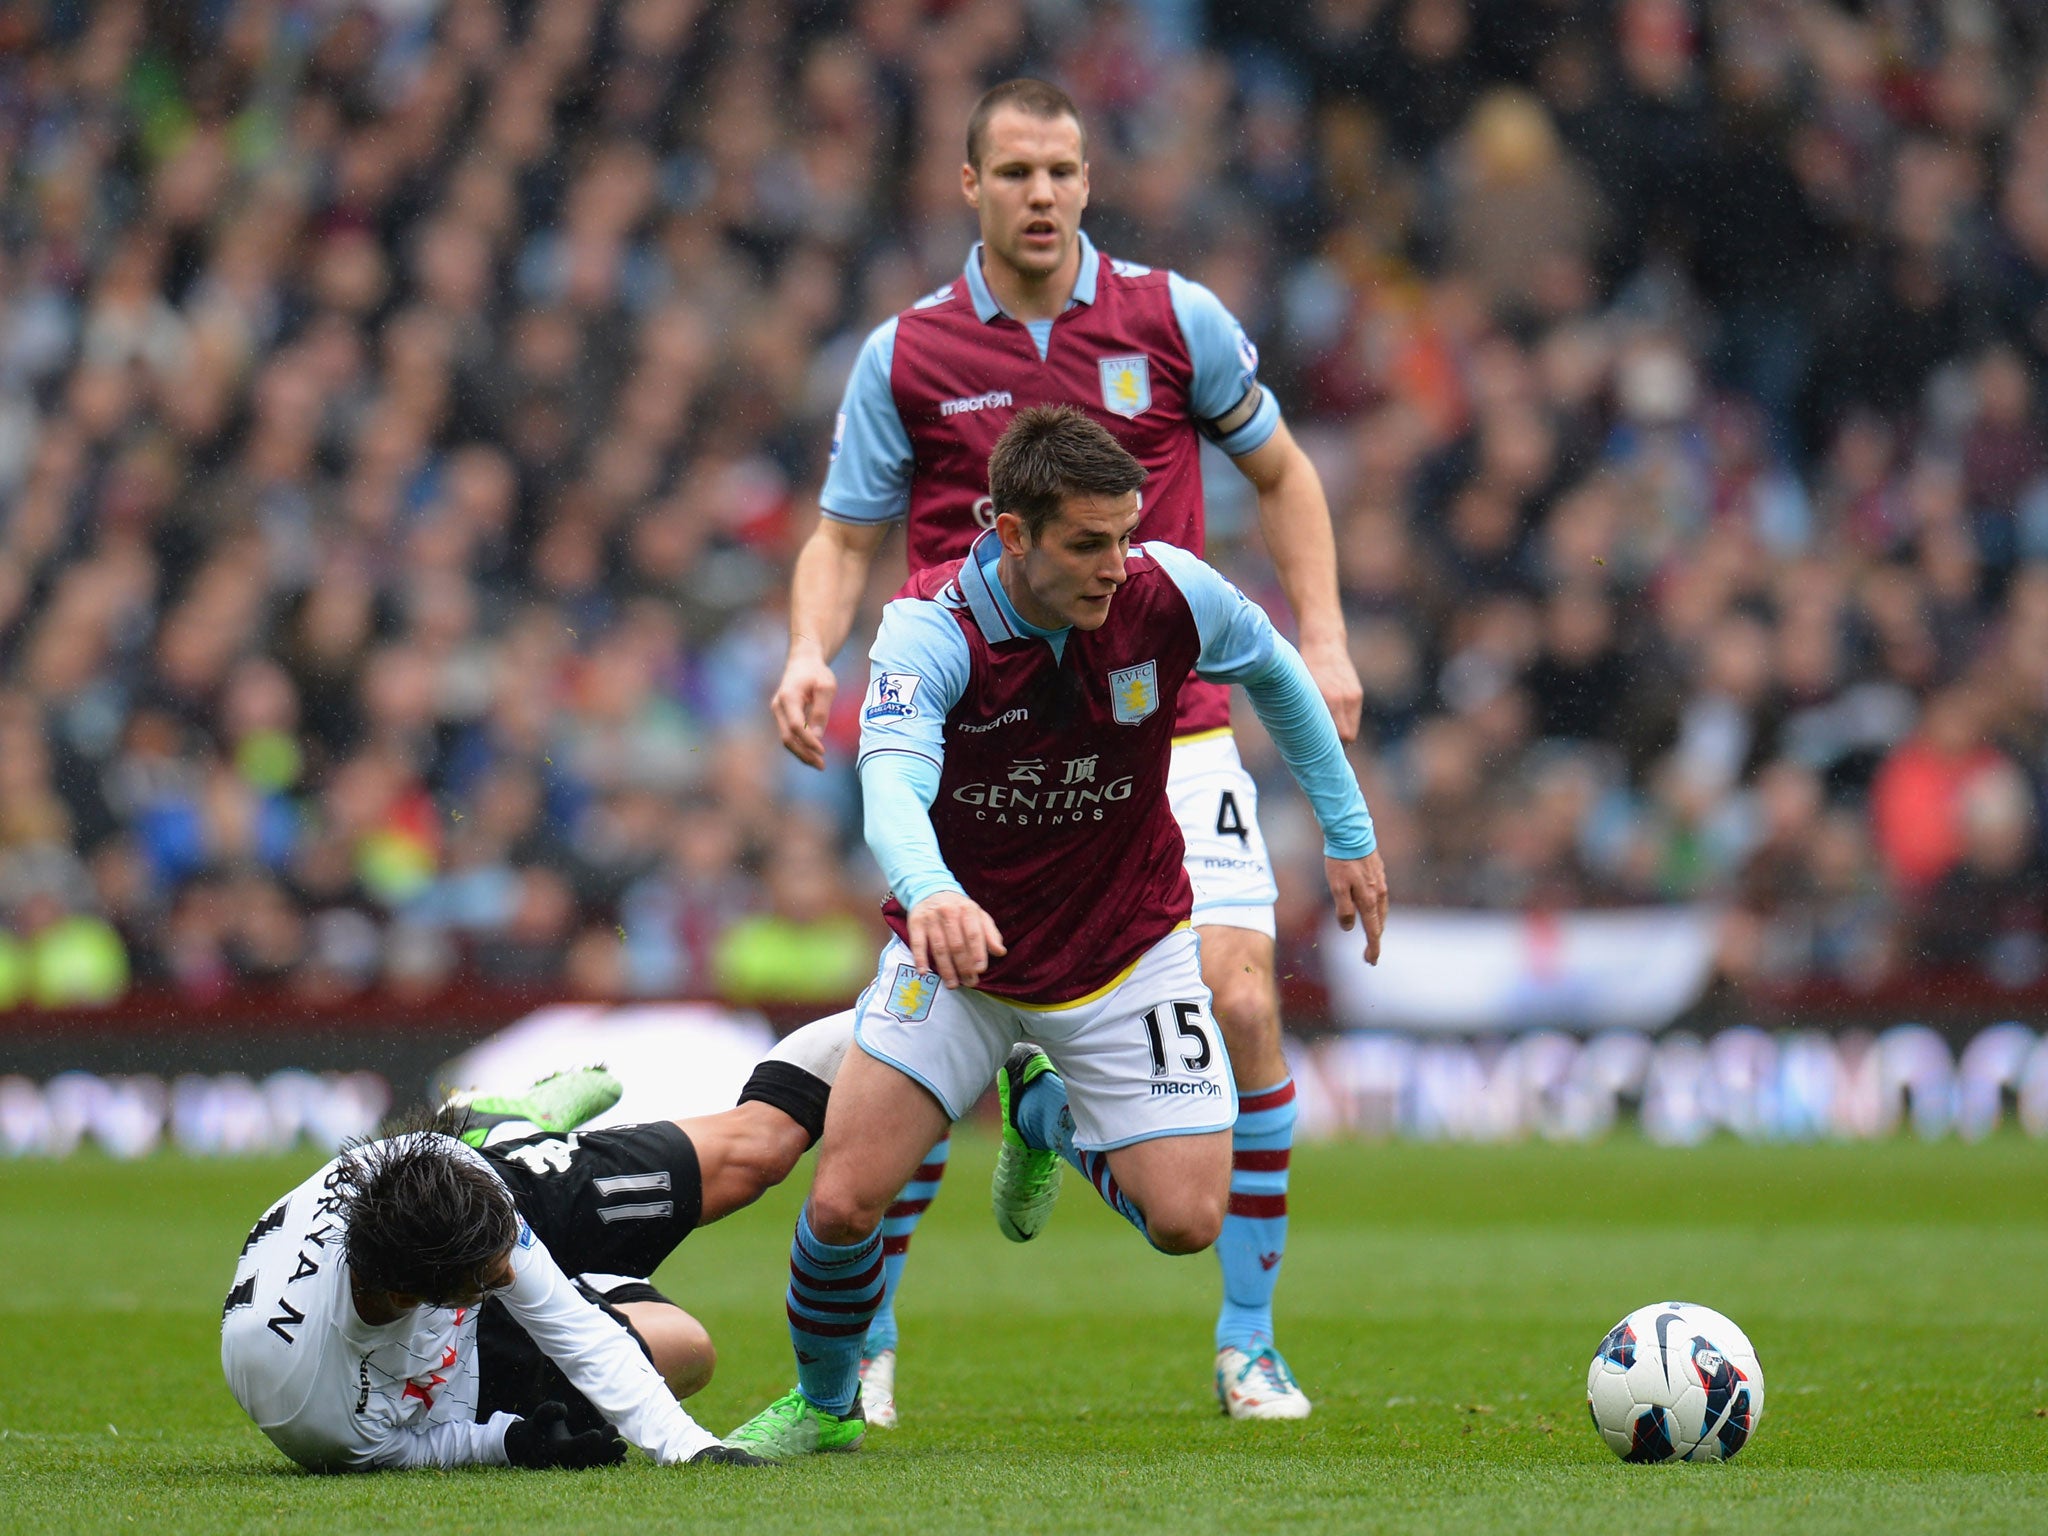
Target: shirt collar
{"x": 987, "y": 601}
{"x": 985, "y": 306}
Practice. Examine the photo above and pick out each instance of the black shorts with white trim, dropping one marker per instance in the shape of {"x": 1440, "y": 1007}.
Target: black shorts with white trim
{"x": 614, "y": 1202}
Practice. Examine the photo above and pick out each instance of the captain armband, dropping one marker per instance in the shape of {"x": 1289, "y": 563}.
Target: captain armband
{"x": 1217, "y": 428}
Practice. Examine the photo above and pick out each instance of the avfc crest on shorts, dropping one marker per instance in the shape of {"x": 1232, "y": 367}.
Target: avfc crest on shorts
{"x": 912, "y": 994}
{"x": 1134, "y": 693}
{"x": 1127, "y": 385}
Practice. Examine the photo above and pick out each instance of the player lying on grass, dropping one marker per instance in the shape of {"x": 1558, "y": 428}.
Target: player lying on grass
{"x": 1013, "y": 762}
{"x": 412, "y": 1303}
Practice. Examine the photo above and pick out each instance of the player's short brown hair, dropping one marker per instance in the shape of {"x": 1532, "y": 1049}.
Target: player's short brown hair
{"x": 1034, "y": 98}
{"x": 1050, "y": 453}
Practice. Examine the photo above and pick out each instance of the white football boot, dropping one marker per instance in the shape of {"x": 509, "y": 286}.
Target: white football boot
{"x": 878, "y": 1389}
{"x": 1258, "y": 1386}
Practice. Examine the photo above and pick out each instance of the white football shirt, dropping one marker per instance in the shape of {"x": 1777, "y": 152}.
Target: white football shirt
{"x": 336, "y": 1394}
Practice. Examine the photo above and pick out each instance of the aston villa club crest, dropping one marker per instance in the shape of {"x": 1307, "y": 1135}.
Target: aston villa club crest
{"x": 1134, "y": 693}
{"x": 1126, "y": 385}
{"x": 912, "y": 994}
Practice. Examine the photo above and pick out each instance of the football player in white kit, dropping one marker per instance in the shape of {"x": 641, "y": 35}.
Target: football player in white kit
{"x": 412, "y": 1303}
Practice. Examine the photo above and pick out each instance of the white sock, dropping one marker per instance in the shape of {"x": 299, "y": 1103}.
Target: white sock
{"x": 819, "y": 1047}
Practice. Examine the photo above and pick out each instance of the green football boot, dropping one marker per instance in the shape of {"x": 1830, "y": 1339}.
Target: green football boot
{"x": 793, "y": 1426}
{"x": 1027, "y": 1180}
{"x": 557, "y": 1103}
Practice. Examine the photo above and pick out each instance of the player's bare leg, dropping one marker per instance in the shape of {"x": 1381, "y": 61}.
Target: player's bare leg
{"x": 1252, "y": 1378}
{"x": 743, "y": 1153}
{"x": 1171, "y": 1187}
{"x": 678, "y": 1344}
{"x": 878, "y": 1127}
{"x": 1180, "y": 1184}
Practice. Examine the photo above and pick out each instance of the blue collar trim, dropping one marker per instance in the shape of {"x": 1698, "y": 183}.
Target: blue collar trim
{"x": 986, "y": 599}
{"x": 985, "y": 306}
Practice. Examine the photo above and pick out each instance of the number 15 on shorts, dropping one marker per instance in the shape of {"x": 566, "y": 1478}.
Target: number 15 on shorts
{"x": 1179, "y": 1030}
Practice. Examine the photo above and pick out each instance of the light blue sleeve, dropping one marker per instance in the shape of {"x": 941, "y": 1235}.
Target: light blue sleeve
{"x": 918, "y": 669}
{"x": 1229, "y": 403}
{"x": 1240, "y": 645}
{"x": 869, "y": 477}
{"x": 1237, "y": 637}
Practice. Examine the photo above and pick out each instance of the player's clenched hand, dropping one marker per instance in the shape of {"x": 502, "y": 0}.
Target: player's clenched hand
{"x": 802, "y": 703}
{"x": 1360, "y": 889}
{"x": 953, "y": 936}
{"x": 1329, "y": 663}
{"x": 542, "y": 1440}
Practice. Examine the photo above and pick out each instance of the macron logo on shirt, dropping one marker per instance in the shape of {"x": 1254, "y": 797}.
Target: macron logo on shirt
{"x": 994, "y": 399}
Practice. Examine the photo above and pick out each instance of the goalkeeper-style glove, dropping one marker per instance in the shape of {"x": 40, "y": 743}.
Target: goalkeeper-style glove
{"x": 542, "y": 1439}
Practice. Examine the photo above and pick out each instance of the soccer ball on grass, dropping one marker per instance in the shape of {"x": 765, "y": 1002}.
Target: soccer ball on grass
{"x": 1675, "y": 1382}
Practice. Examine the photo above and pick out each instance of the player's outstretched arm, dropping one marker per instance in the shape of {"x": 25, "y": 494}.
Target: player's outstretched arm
{"x": 1359, "y": 888}
{"x": 1240, "y": 645}
{"x": 824, "y": 594}
{"x": 1294, "y": 516}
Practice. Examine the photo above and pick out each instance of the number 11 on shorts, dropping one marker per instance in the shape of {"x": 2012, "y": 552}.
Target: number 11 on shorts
{"x": 1187, "y": 1023}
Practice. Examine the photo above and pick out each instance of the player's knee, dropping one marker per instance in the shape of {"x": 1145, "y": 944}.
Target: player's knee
{"x": 1187, "y": 1224}
{"x": 1246, "y": 1007}
{"x": 842, "y": 1214}
{"x": 679, "y": 1345}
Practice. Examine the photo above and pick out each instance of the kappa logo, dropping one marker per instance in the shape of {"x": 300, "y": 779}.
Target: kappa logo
{"x": 936, "y": 297}
{"x": 889, "y": 697}
{"x": 1134, "y": 693}
{"x": 1128, "y": 268}
{"x": 912, "y": 994}
{"x": 1126, "y": 385}
{"x": 838, "y": 435}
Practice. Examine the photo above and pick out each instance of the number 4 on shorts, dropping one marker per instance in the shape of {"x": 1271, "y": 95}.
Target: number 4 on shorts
{"x": 1230, "y": 820}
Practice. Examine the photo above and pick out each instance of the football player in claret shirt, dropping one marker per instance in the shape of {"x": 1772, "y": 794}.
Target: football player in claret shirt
{"x": 1014, "y": 754}
{"x": 1039, "y": 316}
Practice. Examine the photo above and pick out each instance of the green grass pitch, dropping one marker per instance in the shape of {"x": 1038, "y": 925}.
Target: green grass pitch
{"x": 1440, "y": 1303}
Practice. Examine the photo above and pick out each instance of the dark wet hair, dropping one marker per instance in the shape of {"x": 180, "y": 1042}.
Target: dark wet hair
{"x": 424, "y": 1217}
{"x": 1052, "y": 452}
{"x": 1034, "y": 98}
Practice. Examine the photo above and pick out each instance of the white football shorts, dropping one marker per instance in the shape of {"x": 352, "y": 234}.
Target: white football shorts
{"x": 1217, "y": 805}
{"x": 1142, "y": 1058}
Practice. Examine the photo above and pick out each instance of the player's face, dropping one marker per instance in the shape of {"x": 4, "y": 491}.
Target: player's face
{"x": 1029, "y": 190}
{"x": 1075, "y": 565}
{"x": 495, "y": 1278}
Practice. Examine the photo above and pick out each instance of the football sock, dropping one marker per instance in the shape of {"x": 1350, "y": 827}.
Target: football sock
{"x": 1254, "y": 1237}
{"x": 818, "y": 1047}
{"x": 796, "y": 1077}
{"x": 833, "y": 1292}
{"x": 1047, "y": 1124}
{"x": 897, "y": 1226}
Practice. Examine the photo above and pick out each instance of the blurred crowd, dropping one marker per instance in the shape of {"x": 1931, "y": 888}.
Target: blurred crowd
{"x": 409, "y": 410}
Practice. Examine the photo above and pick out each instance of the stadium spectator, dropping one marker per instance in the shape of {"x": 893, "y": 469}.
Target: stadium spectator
{"x": 402, "y": 409}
